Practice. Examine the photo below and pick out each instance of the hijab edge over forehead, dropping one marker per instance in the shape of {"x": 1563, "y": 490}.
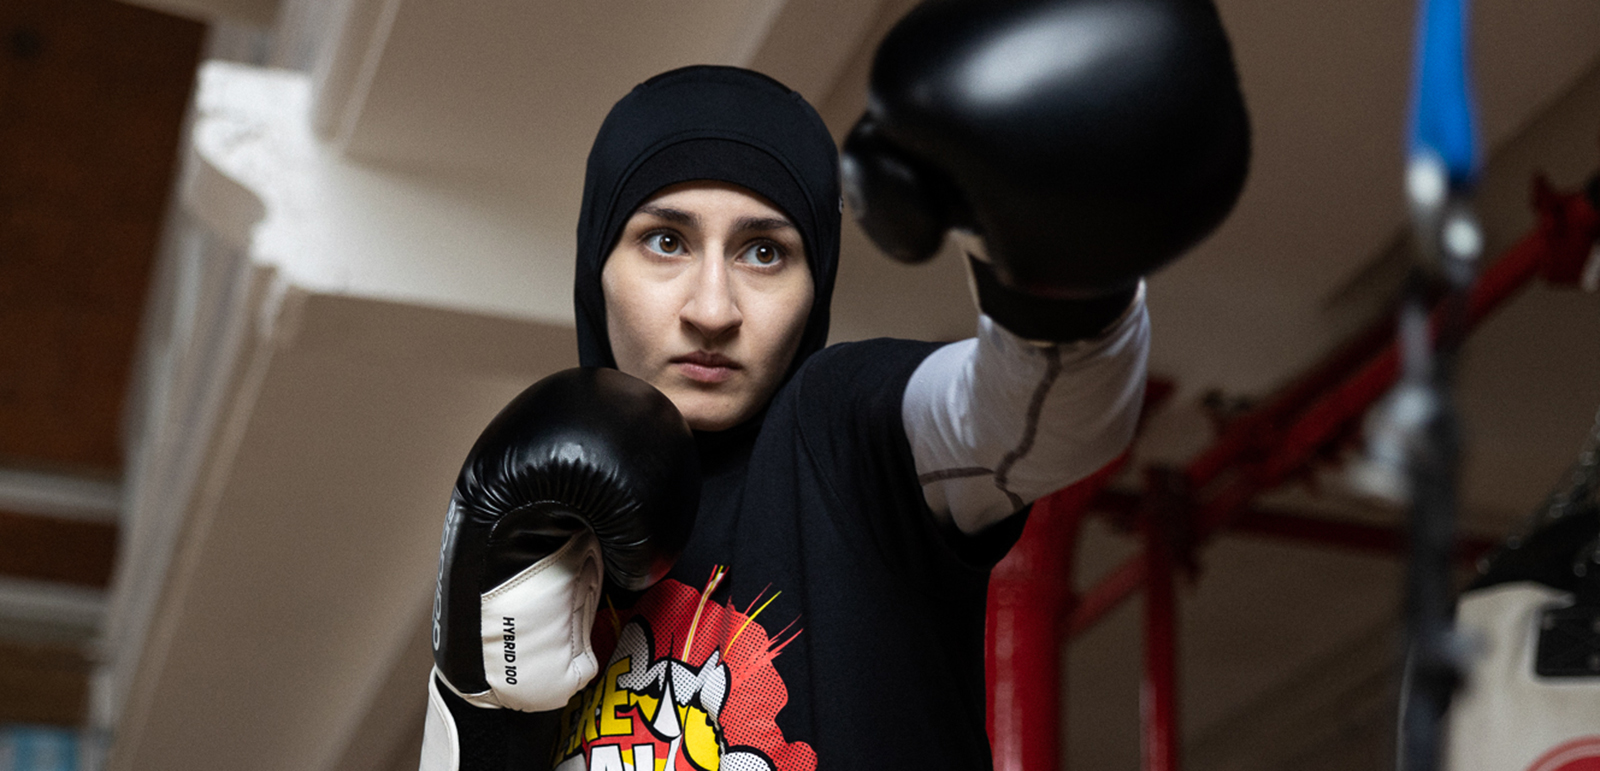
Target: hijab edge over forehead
{"x": 708, "y": 123}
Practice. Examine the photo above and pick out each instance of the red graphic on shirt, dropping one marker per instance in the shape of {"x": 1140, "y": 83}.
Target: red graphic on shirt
{"x": 1577, "y": 755}
{"x": 689, "y": 686}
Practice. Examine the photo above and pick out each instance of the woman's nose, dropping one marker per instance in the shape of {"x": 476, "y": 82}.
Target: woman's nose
{"x": 712, "y": 310}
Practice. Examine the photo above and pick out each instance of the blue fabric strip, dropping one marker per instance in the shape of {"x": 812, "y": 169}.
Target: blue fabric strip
{"x": 1441, "y": 98}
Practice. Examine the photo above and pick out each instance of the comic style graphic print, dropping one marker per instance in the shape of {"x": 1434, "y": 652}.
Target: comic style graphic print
{"x": 689, "y": 686}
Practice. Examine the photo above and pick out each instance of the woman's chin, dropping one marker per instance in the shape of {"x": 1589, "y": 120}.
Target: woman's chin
{"x": 707, "y": 415}
{"x": 712, "y": 422}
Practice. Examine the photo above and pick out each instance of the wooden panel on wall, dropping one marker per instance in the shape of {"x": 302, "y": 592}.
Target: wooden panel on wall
{"x": 92, "y": 97}
{"x": 49, "y": 549}
{"x": 43, "y": 683}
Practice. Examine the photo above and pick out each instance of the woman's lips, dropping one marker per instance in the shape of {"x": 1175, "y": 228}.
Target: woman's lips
{"x": 703, "y": 367}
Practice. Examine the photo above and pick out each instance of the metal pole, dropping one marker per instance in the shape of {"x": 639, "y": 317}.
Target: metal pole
{"x": 1421, "y": 425}
{"x": 1029, "y": 592}
{"x": 1158, "y": 702}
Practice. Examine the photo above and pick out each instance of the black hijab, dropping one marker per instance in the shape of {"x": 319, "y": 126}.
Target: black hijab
{"x": 708, "y": 123}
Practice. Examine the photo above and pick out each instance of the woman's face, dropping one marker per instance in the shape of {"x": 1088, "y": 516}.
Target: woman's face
{"x": 707, "y": 294}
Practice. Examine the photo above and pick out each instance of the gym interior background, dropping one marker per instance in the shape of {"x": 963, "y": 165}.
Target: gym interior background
{"x": 267, "y": 266}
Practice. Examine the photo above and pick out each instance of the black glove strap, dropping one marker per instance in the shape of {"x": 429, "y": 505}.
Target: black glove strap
{"x": 1046, "y": 318}
{"x": 502, "y": 739}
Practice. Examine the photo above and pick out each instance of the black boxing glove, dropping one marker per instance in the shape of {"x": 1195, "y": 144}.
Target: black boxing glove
{"x": 1085, "y": 143}
{"x": 589, "y": 475}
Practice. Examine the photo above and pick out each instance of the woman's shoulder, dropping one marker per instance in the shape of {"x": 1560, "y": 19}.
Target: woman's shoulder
{"x": 854, "y": 379}
{"x": 872, "y": 358}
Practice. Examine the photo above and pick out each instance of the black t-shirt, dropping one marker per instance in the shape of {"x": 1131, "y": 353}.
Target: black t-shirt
{"x": 820, "y": 617}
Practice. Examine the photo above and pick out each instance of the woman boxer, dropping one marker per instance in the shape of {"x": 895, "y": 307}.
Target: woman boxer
{"x": 830, "y": 604}
{"x": 827, "y": 607}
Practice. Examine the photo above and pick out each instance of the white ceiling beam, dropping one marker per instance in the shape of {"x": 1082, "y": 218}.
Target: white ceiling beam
{"x": 59, "y": 495}
{"x": 51, "y": 604}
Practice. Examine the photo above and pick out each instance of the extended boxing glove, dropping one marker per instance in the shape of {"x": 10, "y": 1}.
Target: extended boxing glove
{"x": 1084, "y": 143}
{"x": 589, "y": 475}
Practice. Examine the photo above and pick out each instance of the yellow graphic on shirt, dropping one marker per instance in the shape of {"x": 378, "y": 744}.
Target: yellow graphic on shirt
{"x": 705, "y": 704}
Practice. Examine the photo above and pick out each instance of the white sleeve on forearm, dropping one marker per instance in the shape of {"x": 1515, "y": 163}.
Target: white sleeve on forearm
{"x": 996, "y": 421}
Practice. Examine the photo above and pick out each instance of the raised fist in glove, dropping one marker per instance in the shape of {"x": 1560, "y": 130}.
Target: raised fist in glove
{"x": 1084, "y": 142}
{"x": 588, "y": 476}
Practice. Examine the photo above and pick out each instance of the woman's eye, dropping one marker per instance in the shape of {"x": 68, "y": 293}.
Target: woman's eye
{"x": 665, "y": 243}
{"x": 764, "y": 255}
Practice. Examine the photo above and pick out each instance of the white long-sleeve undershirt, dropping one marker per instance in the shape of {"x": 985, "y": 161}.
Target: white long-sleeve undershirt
{"x": 996, "y": 421}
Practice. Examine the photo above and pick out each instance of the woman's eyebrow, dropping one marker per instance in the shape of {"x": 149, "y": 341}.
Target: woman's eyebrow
{"x": 745, "y": 224}
{"x": 741, "y": 225}
{"x": 677, "y": 216}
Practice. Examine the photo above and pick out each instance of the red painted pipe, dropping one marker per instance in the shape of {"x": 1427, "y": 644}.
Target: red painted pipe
{"x": 1329, "y": 416}
{"x": 1105, "y": 596}
{"x": 1253, "y": 434}
{"x": 1028, "y": 593}
{"x": 1356, "y": 395}
{"x": 1025, "y": 710}
{"x": 1158, "y": 696}
{"x": 1557, "y": 249}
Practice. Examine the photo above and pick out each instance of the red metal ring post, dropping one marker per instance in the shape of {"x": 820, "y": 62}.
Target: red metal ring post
{"x": 1158, "y": 696}
{"x": 1029, "y": 592}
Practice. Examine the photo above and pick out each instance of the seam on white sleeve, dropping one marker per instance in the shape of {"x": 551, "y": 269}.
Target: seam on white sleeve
{"x": 997, "y": 421}
{"x": 1030, "y": 427}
